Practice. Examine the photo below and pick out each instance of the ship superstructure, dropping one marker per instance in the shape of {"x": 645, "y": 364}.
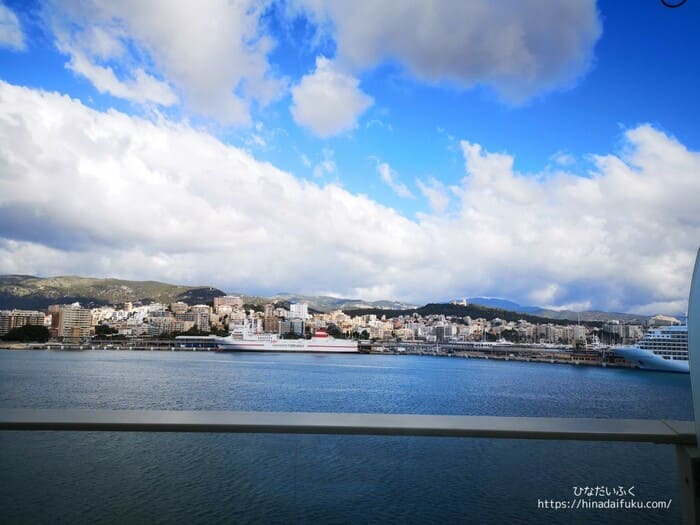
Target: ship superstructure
{"x": 247, "y": 341}
{"x": 664, "y": 349}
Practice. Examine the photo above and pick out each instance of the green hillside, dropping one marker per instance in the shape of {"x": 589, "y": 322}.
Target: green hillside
{"x": 26, "y": 291}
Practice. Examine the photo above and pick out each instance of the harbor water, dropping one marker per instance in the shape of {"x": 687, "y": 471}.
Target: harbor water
{"x": 88, "y": 477}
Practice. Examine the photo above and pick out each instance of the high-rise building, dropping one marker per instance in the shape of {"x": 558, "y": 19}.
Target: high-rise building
{"x": 298, "y": 311}
{"x": 202, "y": 312}
{"x": 270, "y": 322}
{"x": 71, "y": 322}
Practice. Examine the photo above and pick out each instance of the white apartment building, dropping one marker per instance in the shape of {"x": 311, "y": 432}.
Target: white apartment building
{"x": 298, "y": 311}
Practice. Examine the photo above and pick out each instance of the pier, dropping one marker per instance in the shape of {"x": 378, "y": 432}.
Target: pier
{"x": 505, "y": 352}
{"x": 466, "y": 350}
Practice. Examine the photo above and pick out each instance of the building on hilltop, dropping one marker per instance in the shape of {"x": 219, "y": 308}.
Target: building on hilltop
{"x": 229, "y": 300}
{"x": 662, "y": 320}
{"x": 179, "y": 307}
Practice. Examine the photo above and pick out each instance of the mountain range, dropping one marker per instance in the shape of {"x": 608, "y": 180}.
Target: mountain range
{"x": 27, "y": 291}
{"x": 587, "y": 315}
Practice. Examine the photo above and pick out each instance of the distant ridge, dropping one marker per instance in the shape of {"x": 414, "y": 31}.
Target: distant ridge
{"x": 504, "y": 304}
{"x": 326, "y": 303}
{"x": 587, "y": 315}
{"x": 28, "y": 291}
{"x": 474, "y": 311}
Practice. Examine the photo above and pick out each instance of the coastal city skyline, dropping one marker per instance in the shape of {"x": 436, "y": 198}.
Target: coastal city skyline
{"x": 267, "y": 146}
{"x": 319, "y": 261}
{"x": 435, "y": 323}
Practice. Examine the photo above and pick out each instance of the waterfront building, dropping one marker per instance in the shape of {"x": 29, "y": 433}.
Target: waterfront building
{"x": 444, "y": 333}
{"x": 70, "y": 322}
{"x": 237, "y": 318}
{"x": 161, "y": 325}
{"x": 203, "y": 314}
{"x": 405, "y": 334}
{"x": 292, "y": 326}
{"x": 271, "y": 324}
{"x": 10, "y": 319}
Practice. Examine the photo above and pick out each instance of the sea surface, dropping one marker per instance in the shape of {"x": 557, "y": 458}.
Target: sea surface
{"x": 101, "y": 477}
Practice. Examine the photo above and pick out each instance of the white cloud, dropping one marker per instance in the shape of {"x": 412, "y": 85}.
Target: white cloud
{"x": 577, "y": 307}
{"x": 519, "y": 47}
{"x": 104, "y": 193}
{"x": 327, "y": 165}
{"x": 563, "y": 159}
{"x": 11, "y": 34}
{"x": 122, "y": 195}
{"x": 143, "y": 88}
{"x": 436, "y": 194}
{"x": 215, "y": 55}
{"x": 328, "y": 101}
{"x": 379, "y": 123}
{"x": 391, "y": 179}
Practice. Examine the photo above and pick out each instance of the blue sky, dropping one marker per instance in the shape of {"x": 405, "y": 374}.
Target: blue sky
{"x": 378, "y": 105}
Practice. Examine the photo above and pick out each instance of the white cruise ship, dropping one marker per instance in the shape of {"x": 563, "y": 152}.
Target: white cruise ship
{"x": 246, "y": 341}
{"x": 664, "y": 349}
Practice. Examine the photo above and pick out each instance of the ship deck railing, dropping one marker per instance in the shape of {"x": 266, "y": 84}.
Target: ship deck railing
{"x": 670, "y": 432}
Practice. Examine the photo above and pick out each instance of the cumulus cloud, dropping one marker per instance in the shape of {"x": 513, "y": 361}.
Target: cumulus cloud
{"x": 519, "y": 47}
{"x": 328, "y": 101}
{"x": 625, "y": 236}
{"x": 104, "y": 193}
{"x": 11, "y": 34}
{"x": 108, "y": 193}
{"x": 215, "y": 56}
{"x": 391, "y": 179}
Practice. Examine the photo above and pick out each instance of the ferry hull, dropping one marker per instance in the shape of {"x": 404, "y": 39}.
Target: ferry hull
{"x": 244, "y": 348}
{"x": 647, "y": 360}
{"x": 287, "y": 346}
{"x": 321, "y": 345}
